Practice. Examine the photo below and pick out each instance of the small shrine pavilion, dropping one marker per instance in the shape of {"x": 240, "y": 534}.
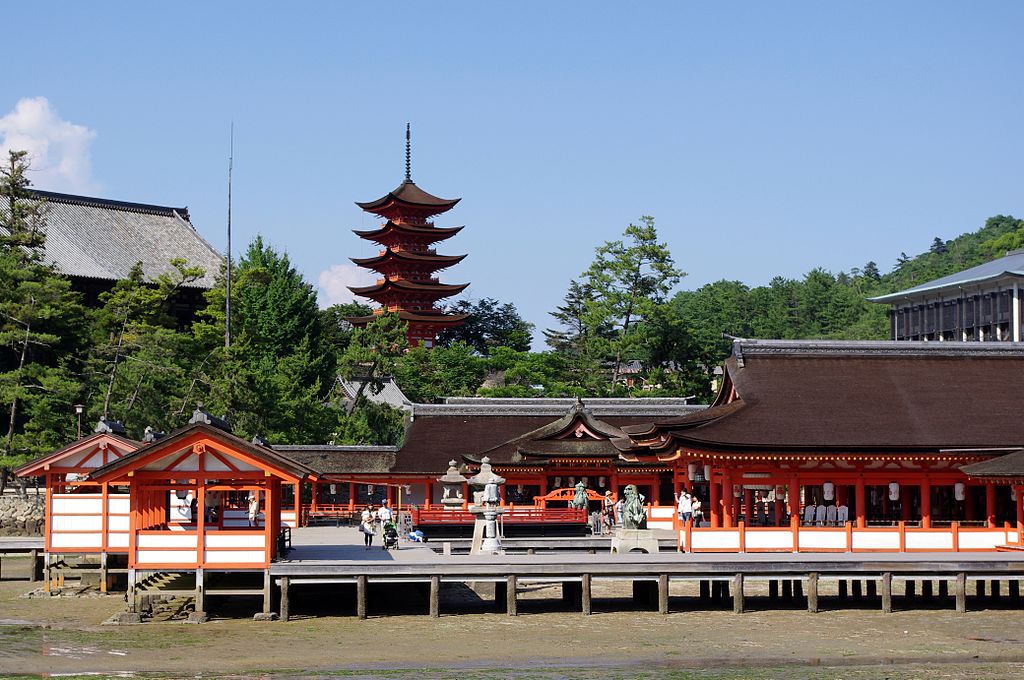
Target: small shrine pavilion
{"x": 408, "y": 263}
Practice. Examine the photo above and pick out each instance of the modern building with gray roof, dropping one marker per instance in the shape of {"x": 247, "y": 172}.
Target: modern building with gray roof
{"x": 980, "y": 303}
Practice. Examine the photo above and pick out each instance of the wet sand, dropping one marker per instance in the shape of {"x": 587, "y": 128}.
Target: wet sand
{"x": 64, "y": 635}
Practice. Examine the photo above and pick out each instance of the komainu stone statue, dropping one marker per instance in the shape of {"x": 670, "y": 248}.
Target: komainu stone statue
{"x": 633, "y": 514}
{"x": 580, "y": 499}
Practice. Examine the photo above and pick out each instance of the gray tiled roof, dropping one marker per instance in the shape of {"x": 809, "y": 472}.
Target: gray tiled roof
{"x": 1012, "y": 265}
{"x": 103, "y": 239}
{"x": 390, "y": 393}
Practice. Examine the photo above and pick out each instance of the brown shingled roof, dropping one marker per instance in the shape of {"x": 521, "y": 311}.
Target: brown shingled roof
{"x": 829, "y": 396}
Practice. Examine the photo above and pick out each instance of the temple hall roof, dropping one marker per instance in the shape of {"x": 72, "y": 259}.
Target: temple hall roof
{"x": 828, "y": 396}
{"x": 103, "y": 239}
{"x": 1005, "y": 465}
{"x": 1009, "y": 266}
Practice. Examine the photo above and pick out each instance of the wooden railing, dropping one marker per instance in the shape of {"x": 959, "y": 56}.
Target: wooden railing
{"x": 848, "y": 538}
{"x": 525, "y": 514}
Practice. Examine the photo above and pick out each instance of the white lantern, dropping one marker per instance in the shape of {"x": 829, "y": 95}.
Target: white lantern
{"x": 334, "y": 489}
{"x": 828, "y": 491}
{"x": 691, "y": 471}
{"x": 1013, "y": 494}
{"x": 737, "y": 490}
{"x": 585, "y": 482}
{"x": 408, "y": 489}
{"x": 558, "y": 481}
{"x": 572, "y": 481}
{"x": 369, "y": 489}
{"x": 519, "y": 488}
{"x": 959, "y": 491}
{"x": 600, "y": 482}
{"x": 707, "y": 473}
{"x": 894, "y": 491}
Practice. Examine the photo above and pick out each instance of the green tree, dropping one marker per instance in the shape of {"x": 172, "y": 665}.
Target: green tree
{"x": 490, "y": 324}
{"x": 41, "y": 322}
{"x": 428, "y": 375}
{"x": 581, "y": 345}
{"x": 628, "y": 278}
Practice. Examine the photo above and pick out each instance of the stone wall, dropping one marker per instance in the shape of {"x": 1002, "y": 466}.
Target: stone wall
{"x": 22, "y": 515}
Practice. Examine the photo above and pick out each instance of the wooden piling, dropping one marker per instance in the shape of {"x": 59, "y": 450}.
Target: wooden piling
{"x": 812, "y": 592}
{"x": 961, "y": 593}
{"x": 663, "y": 593}
{"x": 886, "y": 593}
{"x": 435, "y": 596}
{"x": 737, "y": 594}
{"x": 33, "y": 572}
{"x": 858, "y": 589}
{"x": 361, "y": 596}
{"x": 285, "y": 582}
{"x": 843, "y": 589}
{"x": 586, "y": 594}
{"x": 266, "y": 591}
{"x": 511, "y": 604}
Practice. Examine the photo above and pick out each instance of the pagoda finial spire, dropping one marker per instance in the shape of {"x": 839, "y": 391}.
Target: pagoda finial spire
{"x": 408, "y": 155}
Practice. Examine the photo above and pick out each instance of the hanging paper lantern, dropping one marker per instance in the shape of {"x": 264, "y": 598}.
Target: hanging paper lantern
{"x": 691, "y": 471}
{"x": 585, "y": 481}
{"x": 959, "y": 491}
{"x": 737, "y": 490}
{"x": 894, "y": 491}
{"x": 707, "y": 473}
{"x": 558, "y": 481}
{"x": 369, "y": 489}
{"x": 519, "y": 488}
{"x": 1013, "y": 494}
{"x": 334, "y": 489}
{"x": 600, "y": 482}
{"x": 828, "y": 491}
{"x": 572, "y": 481}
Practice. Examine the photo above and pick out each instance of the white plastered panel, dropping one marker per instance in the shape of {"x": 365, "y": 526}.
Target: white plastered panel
{"x": 769, "y": 539}
{"x": 235, "y": 557}
{"x": 165, "y": 556}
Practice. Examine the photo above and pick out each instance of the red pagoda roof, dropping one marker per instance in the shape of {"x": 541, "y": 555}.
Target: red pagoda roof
{"x": 411, "y": 195}
{"x": 444, "y": 289}
{"x": 436, "y": 261}
{"x": 424, "y": 234}
{"x": 424, "y": 317}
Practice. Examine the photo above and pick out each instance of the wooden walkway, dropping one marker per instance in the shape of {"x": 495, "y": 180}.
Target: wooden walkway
{"x": 719, "y": 575}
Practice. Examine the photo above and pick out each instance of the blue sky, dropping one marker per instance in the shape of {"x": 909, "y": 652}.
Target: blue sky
{"x": 765, "y": 138}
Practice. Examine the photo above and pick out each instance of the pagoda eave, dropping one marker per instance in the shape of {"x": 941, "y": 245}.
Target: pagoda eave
{"x": 409, "y": 196}
{"x": 414, "y": 317}
{"x": 440, "y": 289}
{"x": 433, "y": 261}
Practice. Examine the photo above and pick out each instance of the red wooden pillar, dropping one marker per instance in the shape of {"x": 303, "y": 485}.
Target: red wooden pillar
{"x": 859, "y": 500}
{"x": 1019, "y": 503}
{"x": 926, "y": 503}
{"x": 990, "y": 505}
{"x": 727, "y": 499}
{"x": 794, "y": 498}
{"x": 748, "y": 506}
{"x": 778, "y": 508}
{"x": 715, "y": 503}
{"x": 351, "y": 496}
{"x": 428, "y": 494}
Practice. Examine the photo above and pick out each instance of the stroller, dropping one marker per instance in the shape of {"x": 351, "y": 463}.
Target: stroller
{"x": 390, "y": 536}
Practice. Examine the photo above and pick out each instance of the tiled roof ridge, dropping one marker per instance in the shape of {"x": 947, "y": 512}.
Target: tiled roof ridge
{"x": 110, "y": 204}
{"x": 369, "y": 448}
{"x": 548, "y": 409}
{"x": 894, "y": 348}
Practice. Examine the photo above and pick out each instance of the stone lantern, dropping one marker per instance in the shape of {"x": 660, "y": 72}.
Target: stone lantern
{"x": 452, "y": 483}
{"x": 486, "y": 506}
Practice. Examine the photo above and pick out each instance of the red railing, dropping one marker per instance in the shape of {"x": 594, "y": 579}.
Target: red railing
{"x": 512, "y": 515}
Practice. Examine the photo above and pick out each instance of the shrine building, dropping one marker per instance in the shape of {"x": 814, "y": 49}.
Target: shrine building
{"x": 407, "y": 263}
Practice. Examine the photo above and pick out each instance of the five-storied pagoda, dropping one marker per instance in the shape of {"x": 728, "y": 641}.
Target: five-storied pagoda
{"x": 408, "y": 263}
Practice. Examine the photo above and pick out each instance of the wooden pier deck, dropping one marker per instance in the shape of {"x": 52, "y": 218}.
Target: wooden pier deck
{"x": 344, "y": 565}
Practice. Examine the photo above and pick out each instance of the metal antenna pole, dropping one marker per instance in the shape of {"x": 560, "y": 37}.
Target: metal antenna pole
{"x": 227, "y": 303}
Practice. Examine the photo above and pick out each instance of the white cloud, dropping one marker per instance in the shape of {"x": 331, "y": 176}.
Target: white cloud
{"x": 58, "y": 149}
{"x": 334, "y": 283}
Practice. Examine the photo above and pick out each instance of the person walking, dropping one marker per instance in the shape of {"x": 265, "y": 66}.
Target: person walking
{"x": 254, "y": 509}
{"x": 384, "y": 515}
{"x": 696, "y": 511}
{"x": 366, "y": 526}
{"x": 685, "y": 506}
{"x": 619, "y": 505}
